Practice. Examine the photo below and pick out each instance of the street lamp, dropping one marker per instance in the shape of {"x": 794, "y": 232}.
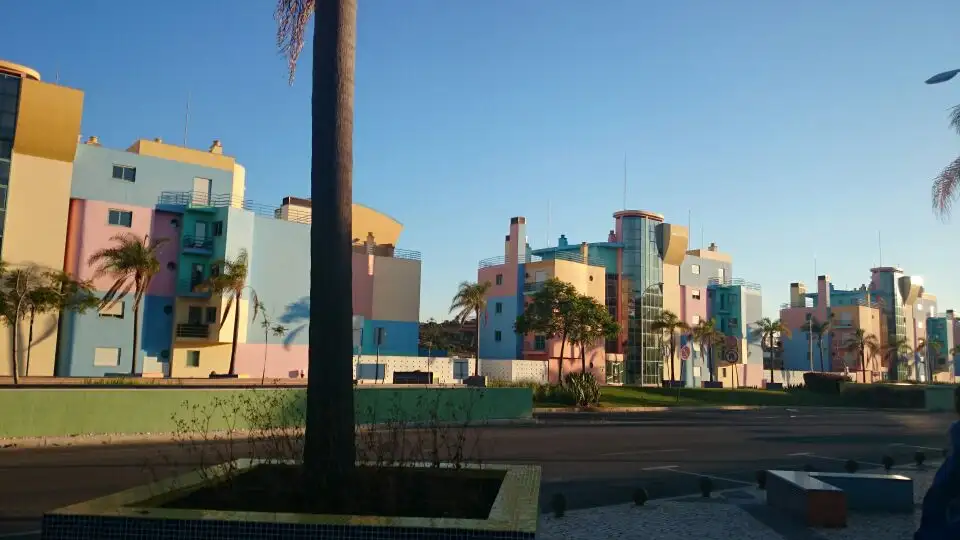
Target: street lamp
{"x": 943, "y": 77}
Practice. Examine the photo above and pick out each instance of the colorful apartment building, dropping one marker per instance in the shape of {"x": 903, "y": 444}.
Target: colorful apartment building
{"x": 195, "y": 201}
{"x": 642, "y": 268}
{"x": 894, "y": 307}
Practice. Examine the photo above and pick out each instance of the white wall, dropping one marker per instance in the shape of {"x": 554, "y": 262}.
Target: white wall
{"x": 515, "y": 370}
{"x": 442, "y": 368}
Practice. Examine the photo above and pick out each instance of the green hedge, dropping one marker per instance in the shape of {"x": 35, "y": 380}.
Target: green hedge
{"x": 83, "y": 411}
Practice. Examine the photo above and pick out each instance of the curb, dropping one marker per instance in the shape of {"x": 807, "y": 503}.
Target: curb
{"x": 688, "y": 408}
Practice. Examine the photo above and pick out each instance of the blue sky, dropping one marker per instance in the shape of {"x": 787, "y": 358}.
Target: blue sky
{"x": 789, "y": 130}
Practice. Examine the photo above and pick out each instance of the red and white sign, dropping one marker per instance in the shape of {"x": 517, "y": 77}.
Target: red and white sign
{"x": 685, "y": 352}
{"x": 732, "y": 357}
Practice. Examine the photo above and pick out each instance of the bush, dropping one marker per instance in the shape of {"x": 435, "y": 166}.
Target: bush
{"x": 553, "y": 394}
{"x": 884, "y": 396}
{"x": 583, "y": 387}
{"x": 824, "y": 383}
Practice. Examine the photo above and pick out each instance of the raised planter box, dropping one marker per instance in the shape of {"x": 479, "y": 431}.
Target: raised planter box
{"x": 712, "y": 384}
{"x": 774, "y": 386}
{"x": 145, "y": 512}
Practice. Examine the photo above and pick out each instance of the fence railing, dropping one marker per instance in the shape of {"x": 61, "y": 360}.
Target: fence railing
{"x": 198, "y": 199}
{"x": 734, "y": 282}
{"x": 191, "y": 287}
{"x": 526, "y": 259}
{"x": 193, "y": 331}
{"x": 197, "y": 242}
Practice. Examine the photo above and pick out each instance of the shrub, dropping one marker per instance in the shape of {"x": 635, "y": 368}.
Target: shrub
{"x": 919, "y": 458}
{"x": 706, "y": 486}
{"x": 583, "y": 387}
{"x": 824, "y": 383}
{"x": 887, "y": 462}
{"x": 640, "y": 497}
{"x": 851, "y": 466}
{"x": 553, "y": 394}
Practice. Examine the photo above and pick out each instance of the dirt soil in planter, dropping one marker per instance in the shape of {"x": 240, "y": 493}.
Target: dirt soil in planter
{"x": 388, "y": 492}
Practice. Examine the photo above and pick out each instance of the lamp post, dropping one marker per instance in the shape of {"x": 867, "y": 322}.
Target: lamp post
{"x": 643, "y": 350}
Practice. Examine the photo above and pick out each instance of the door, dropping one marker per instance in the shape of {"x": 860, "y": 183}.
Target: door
{"x": 196, "y": 275}
{"x": 539, "y": 276}
{"x": 195, "y": 315}
{"x": 201, "y": 191}
{"x": 200, "y": 232}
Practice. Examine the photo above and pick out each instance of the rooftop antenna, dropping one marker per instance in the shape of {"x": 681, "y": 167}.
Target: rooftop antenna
{"x": 880, "y": 248}
{"x": 689, "y": 214}
{"x": 701, "y": 236}
{"x": 186, "y": 121}
{"x": 548, "y": 224}
{"x": 57, "y": 76}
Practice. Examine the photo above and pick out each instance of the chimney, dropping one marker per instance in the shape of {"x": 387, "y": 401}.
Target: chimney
{"x": 506, "y": 248}
{"x": 216, "y": 147}
{"x": 797, "y": 292}
{"x": 93, "y": 140}
{"x": 562, "y": 241}
{"x": 950, "y": 314}
{"x": 823, "y": 290}
{"x": 157, "y": 140}
{"x": 712, "y": 247}
{"x": 584, "y": 252}
{"x": 612, "y": 237}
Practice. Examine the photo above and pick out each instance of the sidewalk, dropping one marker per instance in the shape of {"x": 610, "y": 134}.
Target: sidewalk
{"x": 737, "y": 514}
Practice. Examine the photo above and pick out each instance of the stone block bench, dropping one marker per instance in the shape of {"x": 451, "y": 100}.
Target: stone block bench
{"x": 822, "y": 499}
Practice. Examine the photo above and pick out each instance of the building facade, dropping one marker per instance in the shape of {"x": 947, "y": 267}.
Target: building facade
{"x": 641, "y": 269}
{"x": 893, "y": 307}
{"x": 193, "y": 202}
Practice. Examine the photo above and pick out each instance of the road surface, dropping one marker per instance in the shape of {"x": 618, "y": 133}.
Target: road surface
{"x": 592, "y": 459}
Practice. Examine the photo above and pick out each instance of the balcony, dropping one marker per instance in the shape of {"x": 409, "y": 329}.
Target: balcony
{"x": 202, "y": 245}
{"x": 735, "y": 282}
{"x": 191, "y": 287}
{"x": 193, "y": 331}
{"x": 533, "y": 287}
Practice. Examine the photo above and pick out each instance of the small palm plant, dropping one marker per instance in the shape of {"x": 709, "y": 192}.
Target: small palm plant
{"x": 670, "y": 325}
{"x": 768, "y": 329}
{"x": 471, "y": 299}
{"x": 230, "y": 283}
{"x": 132, "y": 262}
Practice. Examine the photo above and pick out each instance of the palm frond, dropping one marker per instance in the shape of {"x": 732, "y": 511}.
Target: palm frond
{"x": 955, "y": 118}
{"x": 946, "y": 189}
{"x": 292, "y": 17}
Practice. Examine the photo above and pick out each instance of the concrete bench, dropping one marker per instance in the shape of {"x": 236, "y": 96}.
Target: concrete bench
{"x": 813, "y": 501}
{"x": 873, "y": 492}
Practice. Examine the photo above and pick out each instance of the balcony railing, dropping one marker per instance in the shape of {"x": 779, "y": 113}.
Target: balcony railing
{"x": 189, "y": 330}
{"x": 533, "y": 288}
{"x": 735, "y": 282}
{"x": 203, "y": 243}
{"x": 525, "y": 259}
{"x": 191, "y": 287}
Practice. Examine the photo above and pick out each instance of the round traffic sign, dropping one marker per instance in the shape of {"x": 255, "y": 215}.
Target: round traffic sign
{"x": 732, "y": 357}
{"x": 685, "y": 352}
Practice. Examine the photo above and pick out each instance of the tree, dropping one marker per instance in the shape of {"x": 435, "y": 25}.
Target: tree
{"x": 930, "y": 349}
{"x": 230, "y": 282}
{"x": 434, "y": 336}
{"x": 591, "y": 322}
{"x": 821, "y": 329}
{"x": 551, "y": 312}
{"x": 946, "y": 186}
{"x": 269, "y": 327}
{"x": 671, "y": 326}
{"x": 329, "y": 440}
{"x": 131, "y": 262}
{"x": 471, "y": 299}
{"x": 894, "y": 350}
{"x": 768, "y": 329}
{"x": 58, "y": 292}
{"x": 859, "y": 343}
{"x": 706, "y": 334}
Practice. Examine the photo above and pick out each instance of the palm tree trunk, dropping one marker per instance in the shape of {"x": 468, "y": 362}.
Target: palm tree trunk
{"x": 820, "y": 348}
{"x": 863, "y": 366}
{"x": 329, "y": 444}
{"x": 476, "y": 361}
{"x": 26, "y": 367}
{"x": 771, "y": 358}
{"x": 136, "y": 337}
{"x": 583, "y": 358}
{"x": 14, "y": 365}
{"x": 236, "y": 336}
{"x": 673, "y": 374}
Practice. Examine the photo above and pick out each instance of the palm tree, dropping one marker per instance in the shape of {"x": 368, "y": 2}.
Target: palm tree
{"x": 670, "y": 325}
{"x": 131, "y": 262}
{"x": 768, "y": 329}
{"x": 230, "y": 282}
{"x": 706, "y": 334}
{"x": 329, "y": 440}
{"x": 931, "y": 354}
{"x": 821, "y": 329}
{"x": 471, "y": 299}
{"x": 946, "y": 184}
{"x": 859, "y": 343}
{"x": 894, "y": 350}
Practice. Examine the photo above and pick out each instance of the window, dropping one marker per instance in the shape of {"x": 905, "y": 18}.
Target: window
{"x": 371, "y": 372}
{"x": 106, "y": 356}
{"x": 461, "y": 369}
{"x": 733, "y": 323}
{"x": 499, "y": 279}
{"x": 211, "y": 315}
{"x": 214, "y": 270}
{"x": 722, "y": 274}
{"x": 125, "y": 173}
{"x": 695, "y": 294}
{"x": 497, "y": 335}
{"x": 695, "y": 319}
{"x": 695, "y": 269}
{"x": 540, "y": 343}
{"x": 723, "y": 372}
{"x": 498, "y": 307}
{"x": 114, "y": 310}
{"x": 193, "y": 358}
{"x": 218, "y": 228}
{"x": 3, "y": 197}
{"x": 120, "y": 218}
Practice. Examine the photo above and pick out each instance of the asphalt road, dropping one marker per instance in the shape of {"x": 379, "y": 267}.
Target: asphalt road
{"x": 592, "y": 459}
